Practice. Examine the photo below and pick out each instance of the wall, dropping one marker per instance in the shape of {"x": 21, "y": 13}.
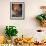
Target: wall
{"x": 26, "y": 27}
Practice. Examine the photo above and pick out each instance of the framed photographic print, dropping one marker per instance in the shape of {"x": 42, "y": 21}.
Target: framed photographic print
{"x": 17, "y": 10}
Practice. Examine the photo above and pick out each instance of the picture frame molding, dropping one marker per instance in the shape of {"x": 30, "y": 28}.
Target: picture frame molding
{"x": 23, "y": 11}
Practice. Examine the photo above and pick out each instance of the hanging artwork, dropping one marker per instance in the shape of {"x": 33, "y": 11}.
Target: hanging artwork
{"x": 17, "y": 10}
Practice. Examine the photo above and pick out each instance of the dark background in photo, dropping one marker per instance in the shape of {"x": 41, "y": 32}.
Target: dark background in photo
{"x": 16, "y": 10}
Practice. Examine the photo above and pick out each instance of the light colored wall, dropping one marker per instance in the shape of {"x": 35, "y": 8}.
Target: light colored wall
{"x": 27, "y": 26}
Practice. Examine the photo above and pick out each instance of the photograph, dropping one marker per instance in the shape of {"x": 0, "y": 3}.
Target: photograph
{"x": 22, "y": 22}
{"x": 17, "y": 10}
